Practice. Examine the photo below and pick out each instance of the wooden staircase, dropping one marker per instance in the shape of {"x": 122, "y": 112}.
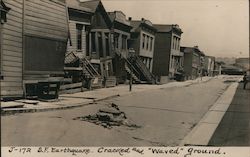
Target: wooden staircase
{"x": 91, "y": 73}
{"x": 135, "y": 75}
{"x": 145, "y": 74}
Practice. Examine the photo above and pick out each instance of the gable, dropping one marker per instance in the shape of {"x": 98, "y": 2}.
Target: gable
{"x": 100, "y": 19}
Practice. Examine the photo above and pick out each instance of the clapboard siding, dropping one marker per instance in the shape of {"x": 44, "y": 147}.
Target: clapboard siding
{"x": 12, "y": 47}
{"x": 73, "y": 36}
{"x": 12, "y": 53}
{"x": 45, "y": 18}
{"x": 12, "y": 38}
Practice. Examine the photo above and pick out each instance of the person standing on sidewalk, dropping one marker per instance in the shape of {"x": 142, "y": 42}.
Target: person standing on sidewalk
{"x": 245, "y": 80}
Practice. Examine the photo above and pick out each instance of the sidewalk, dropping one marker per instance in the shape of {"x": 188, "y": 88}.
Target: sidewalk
{"x": 201, "y": 134}
{"x": 66, "y": 101}
{"x": 234, "y": 129}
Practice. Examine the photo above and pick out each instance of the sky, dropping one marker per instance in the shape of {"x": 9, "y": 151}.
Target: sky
{"x": 219, "y": 27}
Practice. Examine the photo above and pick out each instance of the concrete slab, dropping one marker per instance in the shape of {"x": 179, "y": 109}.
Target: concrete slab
{"x": 213, "y": 117}
{"x": 200, "y": 136}
{"x": 219, "y": 107}
{"x": 203, "y": 131}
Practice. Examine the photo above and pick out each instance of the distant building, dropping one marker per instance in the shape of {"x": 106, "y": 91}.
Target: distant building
{"x": 193, "y": 62}
{"x": 209, "y": 65}
{"x": 217, "y": 68}
{"x": 243, "y": 63}
{"x": 143, "y": 40}
{"x": 168, "y": 59}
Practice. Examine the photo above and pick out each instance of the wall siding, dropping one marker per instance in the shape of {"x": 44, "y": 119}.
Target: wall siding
{"x": 73, "y": 36}
{"x": 12, "y": 47}
{"x": 45, "y": 19}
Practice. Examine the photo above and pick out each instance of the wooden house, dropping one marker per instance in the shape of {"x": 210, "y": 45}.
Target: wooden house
{"x": 193, "y": 62}
{"x": 100, "y": 51}
{"x": 120, "y": 34}
{"x": 168, "y": 60}
{"x": 142, "y": 41}
{"x": 33, "y": 44}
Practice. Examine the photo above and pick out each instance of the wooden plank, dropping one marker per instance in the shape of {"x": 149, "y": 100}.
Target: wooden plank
{"x": 15, "y": 24}
{"x": 67, "y": 86}
{"x": 46, "y": 31}
{"x": 53, "y": 6}
{"x": 12, "y": 64}
{"x": 12, "y": 38}
{"x": 70, "y": 91}
{"x": 12, "y": 58}
{"x": 39, "y": 11}
{"x": 45, "y": 21}
{"x": 16, "y": 3}
{"x": 12, "y": 43}
{"x": 46, "y": 26}
{"x": 12, "y": 33}
{"x": 13, "y": 92}
{"x": 12, "y": 53}
{"x": 11, "y": 73}
{"x": 13, "y": 79}
{"x": 13, "y": 69}
{"x": 15, "y": 19}
{"x": 46, "y": 17}
{"x": 73, "y": 68}
{"x": 11, "y": 84}
{"x": 14, "y": 7}
{"x": 40, "y": 34}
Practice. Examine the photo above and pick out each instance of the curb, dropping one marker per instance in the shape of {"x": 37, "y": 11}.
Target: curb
{"x": 32, "y": 110}
{"x": 201, "y": 134}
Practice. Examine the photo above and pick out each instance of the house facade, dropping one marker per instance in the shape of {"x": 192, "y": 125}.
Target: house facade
{"x": 99, "y": 52}
{"x": 120, "y": 34}
{"x": 33, "y": 44}
{"x": 193, "y": 62}
{"x": 79, "y": 19}
{"x": 143, "y": 40}
{"x": 168, "y": 59}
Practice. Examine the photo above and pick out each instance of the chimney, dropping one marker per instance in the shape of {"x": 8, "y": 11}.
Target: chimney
{"x": 130, "y": 18}
{"x": 142, "y": 19}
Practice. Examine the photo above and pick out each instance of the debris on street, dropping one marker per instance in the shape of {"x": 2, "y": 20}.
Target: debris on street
{"x": 108, "y": 117}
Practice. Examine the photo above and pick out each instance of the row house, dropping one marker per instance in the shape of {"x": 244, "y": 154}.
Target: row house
{"x": 33, "y": 39}
{"x": 143, "y": 40}
{"x": 168, "y": 59}
{"x": 193, "y": 62}
{"x": 120, "y": 34}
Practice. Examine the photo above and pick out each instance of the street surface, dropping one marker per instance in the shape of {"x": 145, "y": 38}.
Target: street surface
{"x": 164, "y": 116}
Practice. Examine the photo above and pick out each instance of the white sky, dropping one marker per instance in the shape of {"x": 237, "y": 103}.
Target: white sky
{"x": 219, "y": 27}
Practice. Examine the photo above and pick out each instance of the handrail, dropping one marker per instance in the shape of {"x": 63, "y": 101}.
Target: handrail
{"x": 146, "y": 70}
{"x": 134, "y": 70}
{"x": 91, "y": 66}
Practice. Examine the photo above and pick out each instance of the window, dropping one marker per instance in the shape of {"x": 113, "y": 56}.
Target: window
{"x": 107, "y": 44}
{"x": 93, "y": 44}
{"x": 87, "y": 28}
{"x": 143, "y": 41}
{"x": 116, "y": 40}
{"x": 151, "y": 43}
{"x": 124, "y": 42}
{"x": 100, "y": 44}
{"x": 147, "y": 41}
{"x": 173, "y": 42}
{"x": 79, "y": 28}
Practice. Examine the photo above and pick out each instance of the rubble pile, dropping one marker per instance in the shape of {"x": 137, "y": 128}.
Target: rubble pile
{"x": 108, "y": 117}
